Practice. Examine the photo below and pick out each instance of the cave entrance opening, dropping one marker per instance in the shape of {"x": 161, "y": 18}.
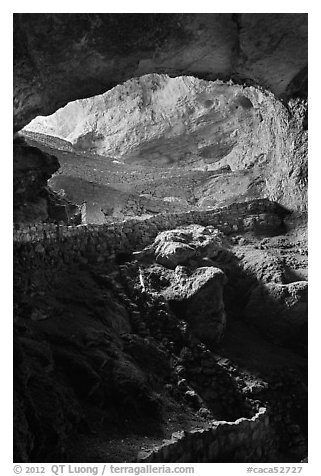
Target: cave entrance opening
{"x": 157, "y": 144}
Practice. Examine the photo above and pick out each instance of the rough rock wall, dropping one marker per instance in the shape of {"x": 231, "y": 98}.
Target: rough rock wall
{"x": 62, "y": 57}
{"x": 288, "y": 169}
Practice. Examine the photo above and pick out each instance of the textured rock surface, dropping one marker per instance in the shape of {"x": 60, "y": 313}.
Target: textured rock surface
{"x": 61, "y": 57}
{"x": 181, "y": 245}
{"x": 162, "y": 121}
{"x": 197, "y": 296}
{"x": 194, "y": 294}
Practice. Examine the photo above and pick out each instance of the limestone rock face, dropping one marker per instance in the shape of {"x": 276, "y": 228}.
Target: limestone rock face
{"x": 59, "y": 57}
{"x": 162, "y": 121}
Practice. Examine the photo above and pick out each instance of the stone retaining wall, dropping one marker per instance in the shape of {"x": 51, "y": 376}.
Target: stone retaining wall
{"x": 245, "y": 440}
{"x": 45, "y": 249}
{"x": 259, "y": 215}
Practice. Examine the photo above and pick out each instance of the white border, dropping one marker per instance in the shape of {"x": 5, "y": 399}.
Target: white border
{"x": 164, "y": 6}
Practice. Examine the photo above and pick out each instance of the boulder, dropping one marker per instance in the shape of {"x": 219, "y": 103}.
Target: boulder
{"x": 197, "y": 296}
{"x": 179, "y": 246}
{"x": 194, "y": 295}
{"x": 184, "y": 276}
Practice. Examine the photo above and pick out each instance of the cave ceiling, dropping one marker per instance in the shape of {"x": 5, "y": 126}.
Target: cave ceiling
{"x": 62, "y": 57}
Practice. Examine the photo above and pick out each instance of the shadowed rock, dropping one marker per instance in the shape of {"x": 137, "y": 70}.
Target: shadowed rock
{"x": 280, "y": 310}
